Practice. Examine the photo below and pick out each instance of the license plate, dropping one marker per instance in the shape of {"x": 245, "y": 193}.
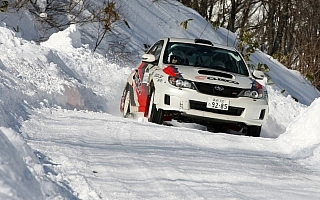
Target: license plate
{"x": 219, "y": 104}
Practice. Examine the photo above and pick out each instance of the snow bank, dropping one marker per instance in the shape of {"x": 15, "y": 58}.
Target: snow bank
{"x": 16, "y": 181}
{"x": 65, "y": 40}
{"x": 302, "y": 136}
{"x": 106, "y": 78}
{"x": 27, "y": 65}
{"x": 283, "y": 110}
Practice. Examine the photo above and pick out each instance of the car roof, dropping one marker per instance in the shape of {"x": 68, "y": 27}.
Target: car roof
{"x": 199, "y": 42}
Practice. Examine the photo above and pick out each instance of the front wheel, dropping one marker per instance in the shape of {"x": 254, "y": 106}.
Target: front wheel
{"x": 253, "y": 131}
{"x": 154, "y": 115}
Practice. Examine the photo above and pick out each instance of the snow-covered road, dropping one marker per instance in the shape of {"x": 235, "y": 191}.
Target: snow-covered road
{"x": 100, "y": 156}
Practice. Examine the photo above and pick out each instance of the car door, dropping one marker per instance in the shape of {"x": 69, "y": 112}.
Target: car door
{"x": 141, "y": 77}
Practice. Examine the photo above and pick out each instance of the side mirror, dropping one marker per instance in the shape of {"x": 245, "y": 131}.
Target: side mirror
{"x": 149, "y": 58}
{"x": 258, "y": 74}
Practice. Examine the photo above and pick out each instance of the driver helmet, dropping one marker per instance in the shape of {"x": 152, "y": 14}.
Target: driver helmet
{"x": 177, "y": 57}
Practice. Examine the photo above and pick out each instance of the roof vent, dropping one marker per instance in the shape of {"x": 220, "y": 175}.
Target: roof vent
{"x": 203, "y": 41}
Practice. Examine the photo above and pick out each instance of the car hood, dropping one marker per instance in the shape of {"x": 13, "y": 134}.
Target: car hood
{"x": 217, "y": 77}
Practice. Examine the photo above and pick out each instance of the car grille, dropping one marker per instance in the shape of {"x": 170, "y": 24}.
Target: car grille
{"x": 203, "y": 107}
{"x": 210, "y": 89}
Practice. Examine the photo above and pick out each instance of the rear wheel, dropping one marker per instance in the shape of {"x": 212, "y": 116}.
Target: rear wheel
{"x": 253, "y": 131}
{"x": 154, "y": 115}
{"x": 126, "y": 104}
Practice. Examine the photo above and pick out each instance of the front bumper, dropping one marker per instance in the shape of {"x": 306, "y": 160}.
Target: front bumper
{"x": 192, "y": 104}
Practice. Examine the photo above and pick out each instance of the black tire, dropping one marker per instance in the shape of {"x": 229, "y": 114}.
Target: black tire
{"x": 253, "y": 131}
{"x": 126, "y": 105}
{"x": 154, "y": 115}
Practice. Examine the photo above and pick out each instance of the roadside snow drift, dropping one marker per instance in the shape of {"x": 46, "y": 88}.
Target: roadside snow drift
{"x": 302, "y": 136}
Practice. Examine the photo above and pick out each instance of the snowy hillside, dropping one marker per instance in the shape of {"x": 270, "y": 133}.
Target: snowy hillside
{"x": 62, "y": 135}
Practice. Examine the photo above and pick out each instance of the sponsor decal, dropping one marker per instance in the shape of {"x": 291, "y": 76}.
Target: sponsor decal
{"x": 138, "y": 82}
{"x": 222, "y": 79}
{"x": 200, "y": 77}
{"x": 216, "y": 79}
{"x": 158, "y": 75}
{"x": 146, "y": 76}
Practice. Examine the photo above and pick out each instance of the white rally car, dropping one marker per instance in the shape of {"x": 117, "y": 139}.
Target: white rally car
{"x": 193, "y": 80}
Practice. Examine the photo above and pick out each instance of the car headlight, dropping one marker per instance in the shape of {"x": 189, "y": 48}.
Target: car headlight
{"x": 179, "y": 82}
{"x": 252, "y": 94}
{"x": 256, "y": 91}
{"x": 175, "y": 78}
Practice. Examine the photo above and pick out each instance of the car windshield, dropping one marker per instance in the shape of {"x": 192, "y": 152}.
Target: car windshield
{"x": 205, "y": 57}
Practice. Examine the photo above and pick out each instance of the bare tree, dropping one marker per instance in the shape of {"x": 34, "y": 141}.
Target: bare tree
{"x": 105, "y": 15}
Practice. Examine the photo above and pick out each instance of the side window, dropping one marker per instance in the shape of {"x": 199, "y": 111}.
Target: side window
{"x": 156, "y": 49}
{"x": 152, "y": 49}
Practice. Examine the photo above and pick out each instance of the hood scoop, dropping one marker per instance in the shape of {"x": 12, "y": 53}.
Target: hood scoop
{"x": 215, "y": 73}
